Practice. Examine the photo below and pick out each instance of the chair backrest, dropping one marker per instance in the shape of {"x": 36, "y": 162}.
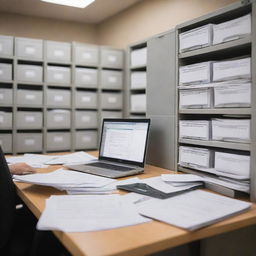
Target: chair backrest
{"x": 7, "y": 201}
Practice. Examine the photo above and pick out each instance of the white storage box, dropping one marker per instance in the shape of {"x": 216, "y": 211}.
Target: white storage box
{"x": 6, "y": 96}
{"x": 111, "y": 79}
{"x": 29, "y": 97}
{"x": 29, "y": 142}
{"x": 29, "y": 120}
{"x": 111, "y": 114}
{"x": 86, "y": 99}
{"x": 194, "y": 129}
{"x": 58, "y": 98}
{"x": 195, "y": 98}
{"x": 138, "y": 103}
{"x": 111, "y": 58}
{"x": 195, "y": 157}
{"x": 195, "y": 38}
{"x": 139, "y": 57}
{"x": 58, "y": 119}
{"x": 86, "y": 119}
{"x": 232, "y": 95}
{"x": 29, "y": 48}
{"x": 86, "y": 77}
{"x": 111, "y": 100}
{"x": 6, "y": 142}
{"x": 29, "y": 73}
{"x": 86, "y": 140}
{"x": 5, "y": 120}
{"x": 235, "y": 164}
{"x": 232, "y": 30}
{"x": 58, "y": 75}
{"x": 5, "y": 72}
{"x": 196, "y": 73}
{"x": 58, "y": 51}
{"x": 232, "y": 69}
{"x": 58, "y": 141}
{"x": 138, "y": 80}
{"x": 87, "y": 55}
{"x": 237, "y": 130}
{"x": 6, "y": 46}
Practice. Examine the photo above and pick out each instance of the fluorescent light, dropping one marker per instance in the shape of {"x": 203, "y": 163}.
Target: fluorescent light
{"x": 73, "y": 3}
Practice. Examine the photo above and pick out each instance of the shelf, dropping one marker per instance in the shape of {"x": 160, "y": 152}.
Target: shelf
{"x": 221, "y": 111}
{"x": 29, "y": 60}
{"x": 217, "y": 144}
{"x": 30, "y": 83}
{"x": 219, "y": 48}
{"x": 29, "y": 106}
{"x": 138, "y": 68}
{"x": 58, "y": 85}
{"x": 6, "y": 106}
{"x": 59, "y": 63}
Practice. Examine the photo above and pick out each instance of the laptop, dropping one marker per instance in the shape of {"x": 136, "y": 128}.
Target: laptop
{"x": 122, "y": 150}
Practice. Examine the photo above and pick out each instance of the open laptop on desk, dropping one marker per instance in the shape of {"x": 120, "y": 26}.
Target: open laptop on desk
{"x": 122, "y": 149}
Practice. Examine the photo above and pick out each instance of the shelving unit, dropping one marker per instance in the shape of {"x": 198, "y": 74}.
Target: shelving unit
{"x": 136, "y": 79}
{"x": 55, "y": 103}
{"x": 233, "y": 49}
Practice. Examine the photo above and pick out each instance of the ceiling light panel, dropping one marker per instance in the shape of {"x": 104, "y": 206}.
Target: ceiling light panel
{"x": 72, "y": 3}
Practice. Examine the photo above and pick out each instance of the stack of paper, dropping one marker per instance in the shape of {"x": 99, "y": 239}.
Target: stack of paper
{"x": 138, "y": 80}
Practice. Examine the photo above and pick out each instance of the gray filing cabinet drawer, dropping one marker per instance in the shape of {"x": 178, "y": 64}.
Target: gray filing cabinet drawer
{"x": 86, "y": 119}
{"x": 6, "y": 46}
{"x": 111, "y": 114}
{"x": 6, "y": 142}
{"x": 86, "y": 140}
{"x": 58, "y": 141}
{"x": 5, "y": 72}
{"x": 6, "y": 96}
{"x": 29, "y": 142}
{"x": 86, "y": 54}
{"x": 111, "y": 58}
{"x": 29, "y": 120}
{"x": 58, "y": 51}
{"x": 111, "y": 100}
{"x": 86, "y": 77}
{"x": 30, "y": 73}
{"x": 58, "y": 98}
{"x": 58, "y": 75}
{"x": 5, "y": 120}
{"x": 29, "y": 48}
{"x": 85, "y": 99}
{"x": 58, "y": 119}
{"x": 111, "y": 79}
{"x": 29, "y": 97}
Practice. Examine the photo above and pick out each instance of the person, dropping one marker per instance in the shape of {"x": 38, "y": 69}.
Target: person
{"x": 21, "y": 169}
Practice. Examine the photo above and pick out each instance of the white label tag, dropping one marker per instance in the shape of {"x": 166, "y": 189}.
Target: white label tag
{"x": 58, "y": 53}
{"x": 58, "y": 118}
{"x": 112, "y": 79}
{"x": 30, "y": 73}
{"x": 1, "y": 119}
{"x": 29, "y": 142}
{"x": 86, "y": 118}
{"x": 86, "y": 139}
{"x": 58, "y": 76}
{"x": 30, "y": 50}
{"x": 112, "y": 100}
{"x": 86, "y": 98}
{"x": 1, "y": 71}
{"x": 58, "y": 139}
{"x": 30, "y": 119}
{"x": 86, "y": 78}
{"x": 112, "y": 58}
{"x": 58, "y": 98}
{"x": 30, "y": 97}
{"x": 86, "y": 55}
{"x": 1, "y": 96}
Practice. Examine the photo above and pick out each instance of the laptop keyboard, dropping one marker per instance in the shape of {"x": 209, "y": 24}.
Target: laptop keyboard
{"x": 111, "y": 166}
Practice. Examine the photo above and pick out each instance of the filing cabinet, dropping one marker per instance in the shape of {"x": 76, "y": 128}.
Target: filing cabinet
{"x": 6, "y": 142}
{"x": 5, "y": 72}
{"x": 29, "y": 48}
{"x": 111, "y": 58}
{"x": 86, "y": 99}
{"x": 138, "y": 103}
{"x": 30, "y": 73}
{"x": 86, "y": 140}
{"x": 111, "y": 100}
{"x": 6, "y": 46}
{"x": 58, "y": 51}
{"x": 86, "y": 119}
{"x": 86, "y": 77}
{"x": 58, "y": 98}
{"x": 29, "y": 97}
{"x": 6, "y": 96}
{"x": 58, "y": 75}
{"x": 29, "y": 142}
{"x": 58, "y": 119}
{"x": 111, "y": 79}
{"x": 29, "y": 120}
{"x": 87, "y": 55}
{"x": 5, "y": 120}
{"x": 58, "y": 141}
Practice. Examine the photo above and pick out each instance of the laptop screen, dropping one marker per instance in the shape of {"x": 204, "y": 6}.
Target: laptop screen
{"x": 124, "y": 140}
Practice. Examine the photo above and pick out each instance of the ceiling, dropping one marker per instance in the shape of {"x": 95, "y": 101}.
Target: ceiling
{"x": 93, "y": 14}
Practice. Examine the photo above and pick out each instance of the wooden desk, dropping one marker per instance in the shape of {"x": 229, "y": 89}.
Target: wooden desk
{"x": 136, "y": 240}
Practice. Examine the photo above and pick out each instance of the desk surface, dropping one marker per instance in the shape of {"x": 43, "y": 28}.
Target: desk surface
{"x": 134, "y": 240}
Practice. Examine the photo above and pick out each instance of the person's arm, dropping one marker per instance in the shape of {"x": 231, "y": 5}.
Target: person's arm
{"x": 21, "y": 168}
